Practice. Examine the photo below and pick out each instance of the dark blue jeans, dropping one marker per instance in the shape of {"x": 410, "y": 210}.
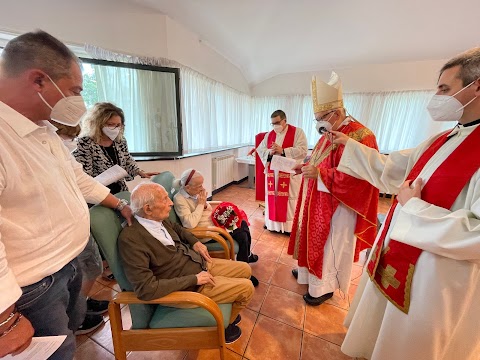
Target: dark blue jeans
{"x": 54, "y": 306}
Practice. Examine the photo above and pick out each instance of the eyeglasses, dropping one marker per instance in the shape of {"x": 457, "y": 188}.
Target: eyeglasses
{"x": 277, "y": 123}
{"x": 113, "y": 127}
{"x": 324, "y": 117}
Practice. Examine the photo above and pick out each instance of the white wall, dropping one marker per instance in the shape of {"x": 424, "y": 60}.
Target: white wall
{"x": 120, "y": 26}
{"x": 202, "y": 163}
{"x": 421, "y": 75}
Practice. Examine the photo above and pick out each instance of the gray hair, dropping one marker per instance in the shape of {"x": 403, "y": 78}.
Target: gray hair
{"x": 143, "y": 194}
{"x": 37, "y": 50}
{"x": 179, "y": 183}
{"x": 469, "y": 62}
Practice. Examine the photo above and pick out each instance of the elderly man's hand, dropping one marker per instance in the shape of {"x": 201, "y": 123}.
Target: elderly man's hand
{"x": 127, "y": 214}
{"x": 310, "y": 172}
{"x": 202, "y": 197}
{"x": 205, "y": 277}
{"x": 339, "y": 138}
{"x": 202, "y": 250}
{"x": 406, "y": 192}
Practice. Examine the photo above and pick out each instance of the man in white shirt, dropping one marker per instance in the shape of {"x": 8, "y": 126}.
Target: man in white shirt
{"x": 281, "y": 188}
{"x": 44, "y": 219}
{"x": 418, "y": 298}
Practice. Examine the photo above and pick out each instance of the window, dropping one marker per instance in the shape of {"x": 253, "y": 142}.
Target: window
{"x": 149, "y": 97}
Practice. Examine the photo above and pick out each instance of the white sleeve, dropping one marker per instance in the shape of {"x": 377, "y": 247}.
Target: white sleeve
{"x": 92, "y": 190}
{"x": 9, "y": 289}
{"x": 300, "y": 146}
{"x": 385, "y": 172}
{"x": 262, "y": 149}
{"x": 321, "y": 186}
{"x": 452, "y": 234}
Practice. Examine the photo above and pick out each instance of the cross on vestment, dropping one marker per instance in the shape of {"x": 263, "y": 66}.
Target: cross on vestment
{"x": 283, "y": 185}
{"x": 388, "y": 276}
{"x": 270, "y": 184}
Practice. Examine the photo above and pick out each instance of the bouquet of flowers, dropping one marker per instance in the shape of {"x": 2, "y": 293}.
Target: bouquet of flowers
{"x": 228, "y": 216}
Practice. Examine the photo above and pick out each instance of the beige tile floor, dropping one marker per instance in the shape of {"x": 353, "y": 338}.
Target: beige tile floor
{"x": 277, "y": 324}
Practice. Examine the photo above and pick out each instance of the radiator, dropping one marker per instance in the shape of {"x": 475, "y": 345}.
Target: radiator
{"x": 222, "y": 171}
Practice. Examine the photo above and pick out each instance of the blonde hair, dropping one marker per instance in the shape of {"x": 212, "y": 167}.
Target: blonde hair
{"x": 97, "y": 117}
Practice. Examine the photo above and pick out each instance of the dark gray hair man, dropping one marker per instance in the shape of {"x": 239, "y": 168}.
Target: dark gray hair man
{"x": 43, "y": 194}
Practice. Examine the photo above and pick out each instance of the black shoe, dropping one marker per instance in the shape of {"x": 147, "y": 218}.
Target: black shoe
{"x": 315, "y": 301}
{"x": 232, "y": 333}
{"x": 295, "y": 273}
{"x": 254, "y": 280}
{"x": 252, "y": 258}
{"x": 237, "y": 320}
{"x": 286, "y": 233}
{"x": 90, "y": 323}
{"x": 264, "y": 226}
{"x": 96, "y": 307}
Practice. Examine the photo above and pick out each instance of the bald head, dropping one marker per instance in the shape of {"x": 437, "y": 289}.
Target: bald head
{"x": 150, "y": 201}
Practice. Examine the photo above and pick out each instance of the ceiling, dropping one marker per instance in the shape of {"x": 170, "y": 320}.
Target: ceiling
{"x": 264, "y": 38}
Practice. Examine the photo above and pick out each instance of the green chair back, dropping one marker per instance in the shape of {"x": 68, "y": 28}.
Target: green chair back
{"x": 166, "y": 179}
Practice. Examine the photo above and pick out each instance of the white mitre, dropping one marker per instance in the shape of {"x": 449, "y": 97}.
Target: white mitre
{"x": 327, "y": 96}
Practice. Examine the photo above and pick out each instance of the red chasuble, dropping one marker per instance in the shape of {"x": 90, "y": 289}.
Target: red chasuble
{"x": 311, "y": 228}
{"x": 278, "y": 201}
{"x": 392, "y": 268}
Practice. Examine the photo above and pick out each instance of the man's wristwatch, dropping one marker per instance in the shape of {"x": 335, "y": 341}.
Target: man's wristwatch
{"x": 121, "y": 204}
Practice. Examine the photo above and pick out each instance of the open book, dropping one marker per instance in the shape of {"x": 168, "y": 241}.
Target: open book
{"x": 281, "y": 163}
{"x": 111, "y": 175}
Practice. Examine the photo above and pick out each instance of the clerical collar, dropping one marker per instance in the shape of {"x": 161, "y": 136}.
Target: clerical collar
{"x": 470, "y": 123}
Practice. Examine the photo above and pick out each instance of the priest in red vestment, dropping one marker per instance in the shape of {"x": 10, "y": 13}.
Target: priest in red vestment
{"x": 336, "y": 214}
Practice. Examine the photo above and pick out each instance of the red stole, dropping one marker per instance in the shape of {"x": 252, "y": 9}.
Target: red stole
{"x": 278, "y": 201}
{"x": 312, "y": 226}
{"x": 391, "y": 269}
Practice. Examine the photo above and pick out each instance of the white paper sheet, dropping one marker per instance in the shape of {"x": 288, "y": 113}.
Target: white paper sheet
{"x": 111, "y": 175}
{"x": 281, "y": 163}
{"x": 41, "y": 348}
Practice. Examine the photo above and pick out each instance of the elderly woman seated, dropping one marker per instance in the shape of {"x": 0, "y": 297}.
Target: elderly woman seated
{"x": 192, "y": 208}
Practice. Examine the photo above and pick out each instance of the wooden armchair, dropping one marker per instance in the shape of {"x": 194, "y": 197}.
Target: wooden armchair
{"x": 158, "y": 324}
{"x": 223, "y": 244}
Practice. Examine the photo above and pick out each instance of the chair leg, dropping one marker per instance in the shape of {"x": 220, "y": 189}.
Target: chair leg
{"x": 222, "y": 352}
{"x": 117, "y": 328}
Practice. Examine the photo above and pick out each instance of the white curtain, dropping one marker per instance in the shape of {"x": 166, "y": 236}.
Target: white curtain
{"x": 148, "y": 101}
{"x": 214, "y": 115}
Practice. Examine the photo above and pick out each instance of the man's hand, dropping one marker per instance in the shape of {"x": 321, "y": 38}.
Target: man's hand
{"x": 406, "y": 192}
{"x": 339, "y": 138}
{"x": 298, "y": 169}
{"x": 18, "y": 339}
{"x": 309, "y": 172}
{"x": 205, "y": 277}
{"x": 127, "y": 214}
{"x": 276, "y": 149}
{"x": 202, "y": 250}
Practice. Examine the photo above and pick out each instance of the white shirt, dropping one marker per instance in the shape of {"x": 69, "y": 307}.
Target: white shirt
{"x": 44, "y": 218}
{"x": 157, "y": 230}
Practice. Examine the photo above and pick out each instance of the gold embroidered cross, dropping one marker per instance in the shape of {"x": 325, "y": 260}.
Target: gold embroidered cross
{"x": 388, "y": 277}
{"x": 283, "y": 185}
{"x": 270, "y": 184}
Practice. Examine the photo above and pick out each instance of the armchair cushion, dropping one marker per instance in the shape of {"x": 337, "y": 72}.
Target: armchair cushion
{"x": 170, "y": 317}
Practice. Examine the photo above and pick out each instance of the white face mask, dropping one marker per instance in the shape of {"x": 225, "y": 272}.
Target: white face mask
{"x": 111, "y": 133}
{"x": 70, "y": 144}
{"x": 447, "y": 107}
{"x": 278, "y": 128}
{"x": 68, "y": 110}
{"x": 324, "y": 126}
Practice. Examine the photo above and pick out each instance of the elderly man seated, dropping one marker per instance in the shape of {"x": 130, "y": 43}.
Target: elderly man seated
{"x": 160, "y": 257}
{"x": 193, "y": 210}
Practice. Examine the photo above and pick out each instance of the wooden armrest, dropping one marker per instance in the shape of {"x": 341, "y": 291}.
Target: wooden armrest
{"x": 199, "y": 231}
{"x": 215, "y": 202}
{"x": 174, "y": 298}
